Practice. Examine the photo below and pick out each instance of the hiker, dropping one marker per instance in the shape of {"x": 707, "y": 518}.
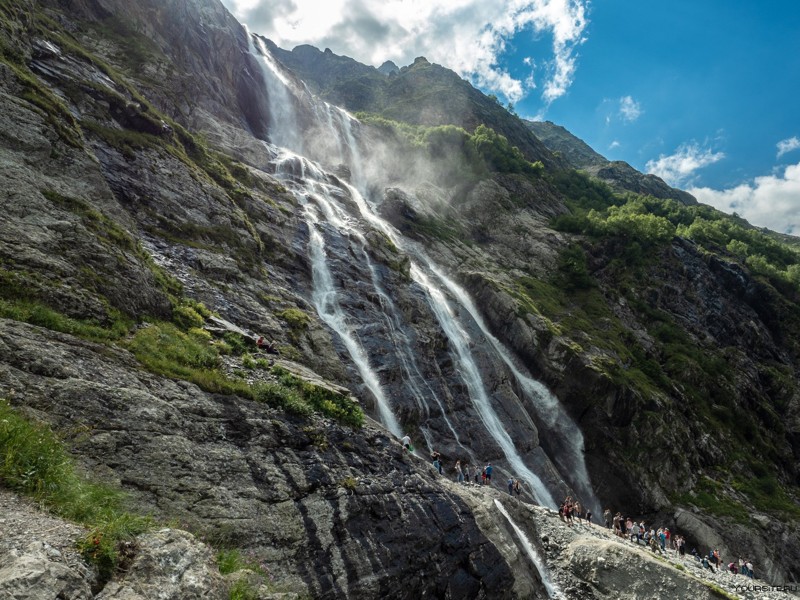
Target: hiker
{"x": 459, "y": 472}
{"x": 517, "y": 488}
{"x": 466, "y": 474}
{"x": 437, "y": 461}
{"x": 510, "y": 486}
{"x": 607, "y": 517}
{"x": 489, "y": 473}
{"x": 406, "y": 443}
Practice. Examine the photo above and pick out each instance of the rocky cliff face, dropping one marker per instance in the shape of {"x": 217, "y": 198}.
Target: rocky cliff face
{"x": 117, "y": 215}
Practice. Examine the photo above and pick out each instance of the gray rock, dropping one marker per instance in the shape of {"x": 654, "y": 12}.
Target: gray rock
{"x": 33, "y": 574}
{"x": 169, "y": 565}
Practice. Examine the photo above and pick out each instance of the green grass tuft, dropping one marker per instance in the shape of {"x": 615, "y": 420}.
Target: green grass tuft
{"x": 35, "y": 463}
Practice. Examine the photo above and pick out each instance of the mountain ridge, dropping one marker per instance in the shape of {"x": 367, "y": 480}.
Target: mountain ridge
{"x": 618, "y": 174}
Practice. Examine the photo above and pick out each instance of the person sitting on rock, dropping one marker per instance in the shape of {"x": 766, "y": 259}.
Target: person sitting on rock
{"x": 406, "y": 443}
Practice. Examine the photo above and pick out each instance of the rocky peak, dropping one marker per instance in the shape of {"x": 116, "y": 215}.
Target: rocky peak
{"x": 389, "y": 68}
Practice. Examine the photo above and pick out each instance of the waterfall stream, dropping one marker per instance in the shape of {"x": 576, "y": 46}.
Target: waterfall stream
{"x": 339, "y": 218}
{"x": 552, "y": 590}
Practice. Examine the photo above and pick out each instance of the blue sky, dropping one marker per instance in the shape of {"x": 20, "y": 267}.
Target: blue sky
{"x": 700, "y": 92}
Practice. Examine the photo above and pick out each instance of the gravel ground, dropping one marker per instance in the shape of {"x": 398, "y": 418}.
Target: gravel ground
{"x": 22, "y": 523}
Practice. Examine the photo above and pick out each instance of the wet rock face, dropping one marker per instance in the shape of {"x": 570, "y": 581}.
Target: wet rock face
{"x": 336, "y": 512}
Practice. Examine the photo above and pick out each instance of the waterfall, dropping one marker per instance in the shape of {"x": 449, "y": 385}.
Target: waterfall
{"x": 564, "y": 435}
{"x": 530, "y": 550}
{"x": 477, "y": 390}
{"x": 339, "y": 218}
{"x": 326, "y": 302}
{"x": 284, "y": 130}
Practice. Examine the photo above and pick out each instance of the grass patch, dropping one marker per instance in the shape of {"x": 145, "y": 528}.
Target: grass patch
{"x": 36, "y": 313}
{"x": 164, "y": 349}
{"x": 35, "y": 463}
{"x": 349, "y": 483}
{"x": 232, "y": 560}
{"x": 710, "y": 496}
{"x": 295, "y": 318}
{"x": 323, "y": 400}
{"x": 285, "y": 398}
{"x": 48, "y": 105}
{"x": 767, "y": 495}
{"x": 243, "y": 590}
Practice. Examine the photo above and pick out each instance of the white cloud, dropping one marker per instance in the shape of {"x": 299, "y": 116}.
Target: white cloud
{"x": 679, "y": 168}
{"x": 468, "y": 36}
{"x": 770, "y": 201}
{"x": 613, "y": 145}
{"x": 629, "y": 109}
{"x": 788, "y": 145}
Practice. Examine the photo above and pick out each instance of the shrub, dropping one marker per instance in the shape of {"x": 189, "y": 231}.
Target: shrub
{"x": 280, "y": 396}
{"x": 349, "y": 483}
{"x": 187, "y": 317}
{"x": 248, "y": 362}
{"x": 237, "y": 343}
{"x": 295, "y": 318}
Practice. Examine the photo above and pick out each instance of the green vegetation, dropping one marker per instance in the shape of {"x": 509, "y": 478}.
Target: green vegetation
{"x": 35, "y": 463}
{"x": 460, "y": 156}
{"x": 295, "y": 318}
{"x": 323, "y": 400}
{"x": 39, "y": 96}
{"x": 39, "y": 314}
{"x": 709, "y": 495}
{"x": 349, "y": 483}
{"x": 165, "y": 349}
{"x": 644, "y": 224}
{"x": 243, "y": 590}
{"x": 628, "y": 238}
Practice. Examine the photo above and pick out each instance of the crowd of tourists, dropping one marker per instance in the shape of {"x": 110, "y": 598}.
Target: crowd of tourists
{"x": 660, "y": 540}
{"x": 663, "y": 541}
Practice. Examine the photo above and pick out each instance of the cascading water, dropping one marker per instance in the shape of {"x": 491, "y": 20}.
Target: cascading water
{"x": 552, "y": 589}
{"x": 338, "y": 214}
{"x": 326, "y": 303}
{"x": 563, "y": 434}
{"x": 477, "y": 390}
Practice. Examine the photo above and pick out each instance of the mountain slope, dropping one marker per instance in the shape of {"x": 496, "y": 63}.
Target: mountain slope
{"x": 421, "y": 94}
{"x": 618, "y": 174}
